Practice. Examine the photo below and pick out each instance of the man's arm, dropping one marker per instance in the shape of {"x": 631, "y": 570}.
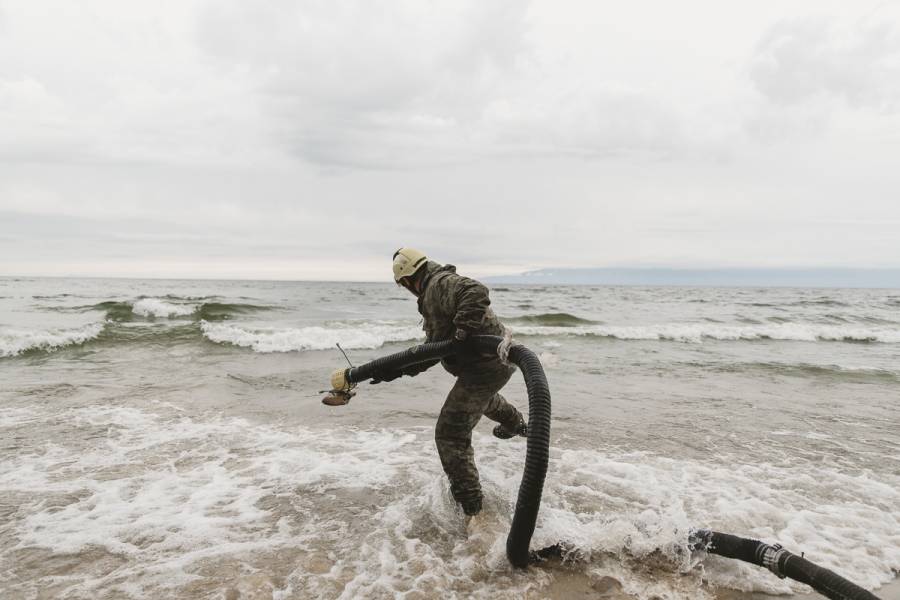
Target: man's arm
{"x": 472, "y": 301}
{"x": 411, "y": 371}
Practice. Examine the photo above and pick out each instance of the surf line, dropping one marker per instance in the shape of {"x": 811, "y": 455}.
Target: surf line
{"x": 537, "y": 456}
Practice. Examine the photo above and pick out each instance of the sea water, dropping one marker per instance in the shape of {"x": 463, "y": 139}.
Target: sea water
{"x": 166, "y": 439}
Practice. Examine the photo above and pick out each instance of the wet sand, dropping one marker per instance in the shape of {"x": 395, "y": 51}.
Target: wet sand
{"x": 576, "y": 586}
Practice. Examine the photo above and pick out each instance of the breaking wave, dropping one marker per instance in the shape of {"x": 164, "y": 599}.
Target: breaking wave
{"x": 209, "y": 321}
{"x": 819, "y": 302}
{"x": 154, "y": 307}
{"x": 798, "y": 303}
{"x": 698, "y": 332}
{"x": 809, "y": 370}
{"x": 168, "y": 307}
{"x": 551, "y": 320}
{"x": 14, "y": 342}
{"x": 270, "y": 339}
{"x": 222, "y": 311}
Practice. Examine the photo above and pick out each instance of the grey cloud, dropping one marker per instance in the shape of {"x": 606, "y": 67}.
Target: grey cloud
{"x": 300, "y": 136}
{"x": 805, "y": 59}
{"x": 103, "y": 82}
{"x": 409, "y": 86}
{"x": 388, "y": 86}
{"x": 593, "y": 123}
{"x": 776, "y": 123}
{"x": 378, "y": 85}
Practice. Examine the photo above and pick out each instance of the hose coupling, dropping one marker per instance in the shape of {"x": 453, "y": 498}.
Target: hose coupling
{"x": 770, "y": 557}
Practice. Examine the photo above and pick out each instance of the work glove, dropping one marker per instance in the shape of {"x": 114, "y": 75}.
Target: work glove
{"x": 386, "y": 376}
{"x": 339, "y": 382}
{"x": 413, "y": 370}
{"x": 462, "y": 343}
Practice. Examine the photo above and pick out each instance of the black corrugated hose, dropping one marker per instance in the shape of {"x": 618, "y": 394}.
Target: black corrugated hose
{"x": 537, "y": 453}
{"x": 779, "y": 561}
{"x": 775, "y": 558}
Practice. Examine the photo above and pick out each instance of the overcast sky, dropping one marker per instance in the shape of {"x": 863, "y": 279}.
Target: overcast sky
{"x": 298, "y": 140}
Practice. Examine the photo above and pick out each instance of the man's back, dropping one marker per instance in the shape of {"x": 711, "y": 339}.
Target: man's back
{"x": 450, "y": 302}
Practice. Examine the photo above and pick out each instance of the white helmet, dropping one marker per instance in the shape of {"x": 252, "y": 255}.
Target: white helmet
{"x": 406, "y": 262}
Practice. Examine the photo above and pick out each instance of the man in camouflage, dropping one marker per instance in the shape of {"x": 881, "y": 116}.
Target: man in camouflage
{"x": 454, "y": 308}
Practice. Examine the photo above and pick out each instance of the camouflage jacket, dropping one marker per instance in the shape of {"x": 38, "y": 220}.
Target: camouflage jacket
{"x": 450, "y": 302}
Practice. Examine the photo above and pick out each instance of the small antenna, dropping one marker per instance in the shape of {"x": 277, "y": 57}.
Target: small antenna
{"x": 345, "y": 355}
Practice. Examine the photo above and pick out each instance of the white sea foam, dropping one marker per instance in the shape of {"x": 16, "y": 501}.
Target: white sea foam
{"x": 270, "y": 339}
{"x": 549, "y": 359}
{"x": 350, "y": 513}
{"x": 16, "y": 341}
{"x": 374, "y": 335}
{"x": 154, "y": 307}
{"x": 697, "y": 332}
{"x": 13, "y": 417}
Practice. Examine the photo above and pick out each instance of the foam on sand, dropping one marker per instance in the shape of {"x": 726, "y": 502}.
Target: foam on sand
{"x": 194, "y": 506}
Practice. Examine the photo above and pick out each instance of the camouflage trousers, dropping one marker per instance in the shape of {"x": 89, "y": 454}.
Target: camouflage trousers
{"x": 475, "y": 393}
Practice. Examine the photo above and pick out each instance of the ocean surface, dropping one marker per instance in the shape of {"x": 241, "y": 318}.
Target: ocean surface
{"x": 165, "y": 439}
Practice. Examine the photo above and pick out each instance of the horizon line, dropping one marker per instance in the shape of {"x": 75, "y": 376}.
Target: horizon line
{"x": 535, "y": 276}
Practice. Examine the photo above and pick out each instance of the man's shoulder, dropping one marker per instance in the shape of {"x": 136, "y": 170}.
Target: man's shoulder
{"x": 447, "y": 280}
{"x": 445, "y": 276}
{"x": 462, "y": 282}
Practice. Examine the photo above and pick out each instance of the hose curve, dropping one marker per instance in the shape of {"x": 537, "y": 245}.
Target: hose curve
{"x": 537, "y": 454}
{"x": 781, "y": 562}
{"x": 775, "y": 558}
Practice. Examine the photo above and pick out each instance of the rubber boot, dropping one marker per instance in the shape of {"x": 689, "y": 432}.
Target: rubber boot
{"x": 504, "y": 434}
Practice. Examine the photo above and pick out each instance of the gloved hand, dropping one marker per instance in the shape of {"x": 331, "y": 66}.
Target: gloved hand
{"x": 339, "y": 381}
{"x": 413, "y": 370}
{"x": 462, "y": 345}
{"x": 387, "y": 376}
